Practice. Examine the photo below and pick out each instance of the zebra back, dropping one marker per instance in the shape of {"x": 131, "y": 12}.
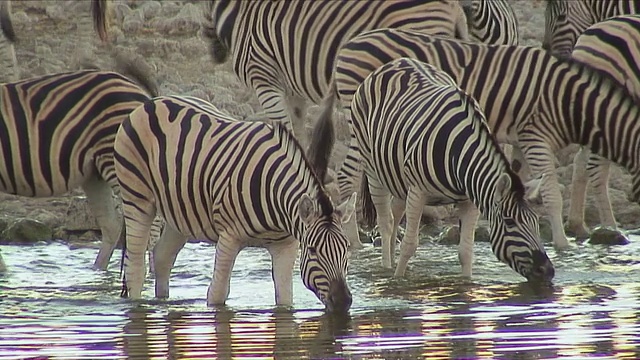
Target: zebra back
{"x": 613, "y": 46}
{"x": 565, "y": 20}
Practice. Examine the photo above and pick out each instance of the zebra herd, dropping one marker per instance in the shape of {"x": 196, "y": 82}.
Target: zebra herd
{"x": 431, "y": 89}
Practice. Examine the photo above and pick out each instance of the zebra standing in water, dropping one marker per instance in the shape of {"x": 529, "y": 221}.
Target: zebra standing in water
{"x": 565, "y": 20}
{"x": 234, "y": 182}
{"x": 531, "y": 99}
{"x": 424, "y": 140}
{"x": 57, "y": 133}
{"x": 491, "y": 21}
{"x": 612, "y": 46}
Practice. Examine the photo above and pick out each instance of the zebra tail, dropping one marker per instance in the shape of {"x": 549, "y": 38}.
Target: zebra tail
{"x": 100, "y": 23}
{"x": 323, "y": 138}
{"x": 366, "y": 202}
{"x": 123, "y": 240}
{"x": 5, "y": 21}
{"x": 138, "y": 73}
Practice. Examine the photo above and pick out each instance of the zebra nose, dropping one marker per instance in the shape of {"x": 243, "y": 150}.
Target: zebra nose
{"x": 543, "y": 269}
{"x": 339, "y": 299}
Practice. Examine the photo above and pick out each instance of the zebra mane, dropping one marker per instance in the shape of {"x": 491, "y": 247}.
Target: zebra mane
{"x": 326, "y": 206}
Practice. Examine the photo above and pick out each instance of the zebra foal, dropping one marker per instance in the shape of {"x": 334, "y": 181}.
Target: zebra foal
{"x": 57, "y": 133}
{"x": 531, "y": 99}
{"x": 611, "y": 46}
{"x": 425, "y": 141}
{"x": 236, "y": 183}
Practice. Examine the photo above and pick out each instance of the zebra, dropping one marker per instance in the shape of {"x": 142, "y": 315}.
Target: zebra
{"x": 57, "y": 133}
{"x": 612, "y": 46}
{"x": 532, "y": 100}
{"x": 237, "y": 183}
{"x": 491, "y": 21}
{"x": 565, "y": 20}
{"x": 424, "y": 140}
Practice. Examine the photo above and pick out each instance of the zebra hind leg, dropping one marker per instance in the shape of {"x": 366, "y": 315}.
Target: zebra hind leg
{"x": 398, "y": 207}
{"x": 103, "y": 207}
{"x": 376, "y": 202}
{"x": 575, "y": 221}
{"x": 164, "y": 256}
{"x": 227, "y": 250}
{"x": 414, "y": 206}
{"x": 156, "y": 231}
{"x": 468, "y": 214}
{"x": 598, "y": 174}
{"x": 138, "y": 226}
{"x": 283, "y": 256}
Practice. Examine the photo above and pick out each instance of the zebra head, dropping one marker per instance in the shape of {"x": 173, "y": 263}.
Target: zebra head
{"x": 515, "y": 232}
{"x": 565, "y": 20}
{"x": 325, "y": 251}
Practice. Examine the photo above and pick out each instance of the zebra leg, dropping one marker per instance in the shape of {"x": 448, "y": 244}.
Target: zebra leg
{"x": 164, "y": 256}
{"x": 381, "y": 199}
{"x": 541, "y": 162}
{"x": 598, "y": 173}
{"x": 398, "y": 207}
{"x": 468, "y": 214}
{"x": 154, "y": 237}
{"x": 283, "y": 257}
{"x": 349, "y": 177}
{"x": 227, "y": 251}
{"x": 414, "y": 205}
{"x": 103, "y": 207}
{"x": 138, "y": 225}
{"x": 575, "y": 222}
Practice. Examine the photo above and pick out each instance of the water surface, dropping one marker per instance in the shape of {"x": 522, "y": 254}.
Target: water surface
{"x": 53, "y": 307}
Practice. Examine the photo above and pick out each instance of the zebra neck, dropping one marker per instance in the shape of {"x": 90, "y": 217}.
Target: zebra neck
{"x": 481, "y": 176}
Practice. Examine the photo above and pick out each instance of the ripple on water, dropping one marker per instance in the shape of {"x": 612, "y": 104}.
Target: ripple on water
{"x": 53, "y": 306}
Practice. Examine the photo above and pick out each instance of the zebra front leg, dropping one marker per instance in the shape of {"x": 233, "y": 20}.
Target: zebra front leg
{"x": 541, "y": 162}
{"x": 598, "y": 173}
{"x": 138, "y": 225}
{"x": 468, "y": 214}
{"x": 398, "y": 207}
{"x": 575, "y": 222}
{"x": 414, "y": 206}
{"x": 227, "y": 250}
{"x": 381, "y": 199}
{"x": 164, "y": 256}
{"x": 283, "y": 258}
{"x": 103, "y": 207}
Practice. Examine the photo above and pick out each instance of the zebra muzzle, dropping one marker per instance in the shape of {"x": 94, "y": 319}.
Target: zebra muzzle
{"x": 339, "y": 298}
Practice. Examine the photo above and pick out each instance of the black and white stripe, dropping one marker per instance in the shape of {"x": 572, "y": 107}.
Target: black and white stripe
{"x": 233, "y": 182}
{"x": 565, "y": 20}
{"x": 531, "y": 99}
{"x": 611, "y": 46}
{"x": 57, "y": 133}
{"x": 491, "y": 21}
{"x": 425, "y": 141}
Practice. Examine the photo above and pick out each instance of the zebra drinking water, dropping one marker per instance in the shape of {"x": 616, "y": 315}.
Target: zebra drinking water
{"x": 236, "y": 183}
{"x": 424, "y": 140}
{"x": 531, "y": 99}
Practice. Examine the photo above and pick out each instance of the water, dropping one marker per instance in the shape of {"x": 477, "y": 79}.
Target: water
{"x": 53, "y": 307}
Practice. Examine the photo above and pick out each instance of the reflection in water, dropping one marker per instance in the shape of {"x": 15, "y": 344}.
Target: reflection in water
{"x": 591, "y": 310}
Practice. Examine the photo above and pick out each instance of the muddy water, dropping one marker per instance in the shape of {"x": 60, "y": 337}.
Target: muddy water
{"x": 53, "y": 307}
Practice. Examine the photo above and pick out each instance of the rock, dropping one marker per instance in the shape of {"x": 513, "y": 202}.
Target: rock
{"x": 607, "y": 236}
{"x": 545, "y": 230}
{"x": 482, "y": 234}
{"x": 27, "y": 231}
{"x": 57, "y": 12}
{"x": 451, "y": 235}
{"x": 133, "y": 22}
{"x": 46, "y": 217}
{"x": 79, "y": 216}
{"x": 20, "y": 17}
{"x": 151, "y": 9}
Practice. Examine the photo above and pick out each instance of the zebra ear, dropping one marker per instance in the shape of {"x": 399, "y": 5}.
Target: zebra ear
{"x": 307, "y": 209}
{"x": 347, "y": 208}
{"x": 503, "y": 187}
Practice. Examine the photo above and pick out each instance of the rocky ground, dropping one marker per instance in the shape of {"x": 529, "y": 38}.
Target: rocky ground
{"x": 56, "y": 36}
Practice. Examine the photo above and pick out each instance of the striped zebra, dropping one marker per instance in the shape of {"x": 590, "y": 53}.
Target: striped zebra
{"x": 57, "y": 133}
{"x": 237, "y": 183}
{"x": 565, "y": 20}
{"x": 424, "y": 140}
{"x": 611, "y": 46}
{"x": 532, "y": 99}
{"x": 491, "y": 21}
